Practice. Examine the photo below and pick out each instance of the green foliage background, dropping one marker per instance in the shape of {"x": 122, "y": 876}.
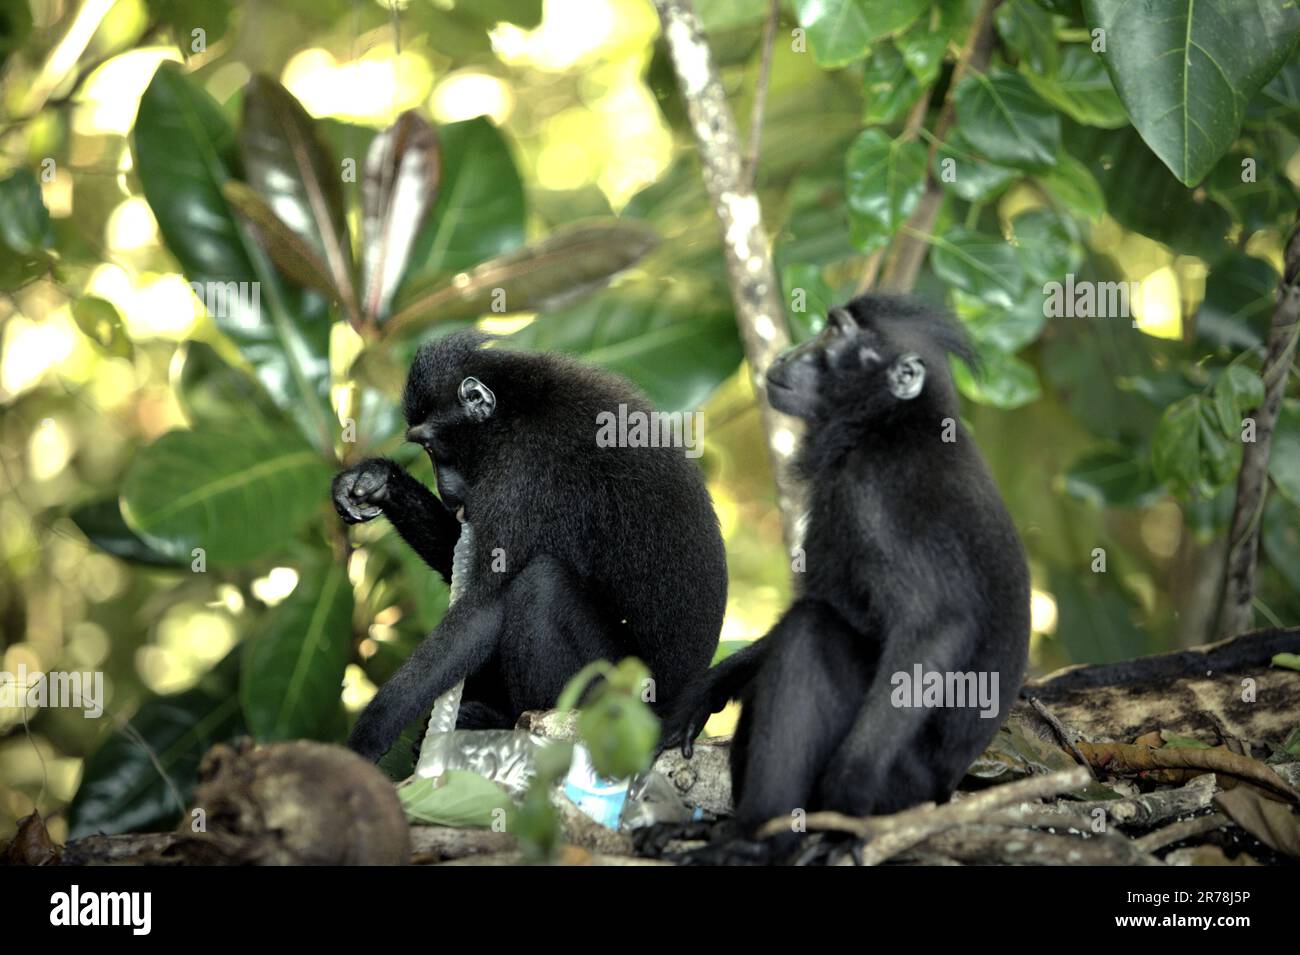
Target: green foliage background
{"x": 134, "y": 433}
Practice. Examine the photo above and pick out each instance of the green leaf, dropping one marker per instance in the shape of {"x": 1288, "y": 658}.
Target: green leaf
{"x": 1186, "y": 69}
{"x": 1112, "y": 477}
{"x": 620, "y": 732}
{"x": 1006, "y": 121}
{"x": 211, "y": 392}
{"x": 925, "y": 42}
{"x": 1081, "y": 89}
{"x": 1027, "y": 28}
{"x": 1284, "y": 456}
{"x": 102, "y": 523}
{"x": 1071, "y": 184}
{"x": 567, "y": 265}
{"x": 185, "y": 152}
{"x": 126, "y": 785}
{"x": 480, "y": 208}
{"x": 287, "y": 162}
{"x": 291, "y": 254}
{"x": 1004, "y": 381}
{"x": 1046, "y": 249}
{"x": 888, "y": 85}
{"x": 982, "y": 265}
{"x": 841, "y": 31}
{"x": 1238, "y": 391}
{"x": 1190, "y": 454}
{"x": 1001, "y": 329}
{"x": 293, "y": 666}
{"x": 235, "y": 493}
{"x": 100, "y": 322}
{"x": 1289, "y": 661}
{"x": 968, "y": 176}
{"x": 675, "y": 345}
{"x": 457, "y": 798}
{"x": 185, "y": 16}
{"x": 24, "y": 221}
{"x": 885, "y": 178}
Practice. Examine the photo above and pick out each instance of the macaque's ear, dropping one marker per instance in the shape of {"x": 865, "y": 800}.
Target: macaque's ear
{"x": 906, "y": 377}
{"x": 477, "y": 399}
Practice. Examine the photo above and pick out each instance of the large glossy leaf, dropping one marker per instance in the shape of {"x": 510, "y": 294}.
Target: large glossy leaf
{"x": 967, "y": 175}
{"x": 293, "y": 666}
{"x": 677, "y": 347}
{"x": 100, "y": 321}
{"x": 127, "y": 783}
{"x": 983, "y": 265}
{"x": 1004, "y": 381}
{"x": 1027, "y": 28}
{"x": 1046, "y": 249}
{"x": 1071, "y": 184}
{"x": 403, "y": 172}
{"x": 841, "y": 31}
{"x": 480, "y": 209}
{"x": 564, "y": 266}
{"x": 885, "y": 178}
{"x": 1190, "y": 452}
{"x": 288, "y": 163}
{"x": 1186, "y": 69}
{"x": 185, "y": 152}
{"x": 1006, "y": 121}
{"x": 889, "y": 87}
{"x": 237, "y": 493}
{"x": 1081, "y": 89}
{"x": 292, "y": 254}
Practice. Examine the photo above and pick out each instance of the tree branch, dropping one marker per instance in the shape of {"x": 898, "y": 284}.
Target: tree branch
{"x": 1235, "y": 613}
{"x": 760, "y": 311}
{"x": 910, "y": 248}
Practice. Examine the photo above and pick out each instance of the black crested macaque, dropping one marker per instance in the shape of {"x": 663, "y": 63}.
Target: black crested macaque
{"x": 913, "y": 568}
{"x": 581, "y": 552}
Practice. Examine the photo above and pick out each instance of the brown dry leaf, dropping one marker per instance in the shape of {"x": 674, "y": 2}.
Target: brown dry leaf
{"x": 1128, "y": 759}
{"x": 1271, "y": 822}
{"x": 32, "y": 844}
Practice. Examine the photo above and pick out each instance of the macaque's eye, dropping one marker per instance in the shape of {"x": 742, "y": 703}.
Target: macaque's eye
{"x": 477, "y": 399}
{"x": 906, "y": 377}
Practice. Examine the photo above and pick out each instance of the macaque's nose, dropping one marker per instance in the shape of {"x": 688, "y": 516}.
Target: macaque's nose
{"x": 419, "y": 434}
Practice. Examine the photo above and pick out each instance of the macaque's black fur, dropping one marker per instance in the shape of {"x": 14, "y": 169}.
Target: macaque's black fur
{"x": 911, "y": 557}
{"x": 607, "y": 552}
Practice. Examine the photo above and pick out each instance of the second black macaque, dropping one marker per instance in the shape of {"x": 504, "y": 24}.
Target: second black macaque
{"x": 581, "y": 552}
{"x": 896, "y": 664}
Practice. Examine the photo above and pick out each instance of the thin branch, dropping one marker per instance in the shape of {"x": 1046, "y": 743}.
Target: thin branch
{"x": 909, "y": 249}
{"x": 756, "y": 295}
{"x": 760, "y": 95}
{"x": 1236, "y": 613}
{"x": 890, "y": 835}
